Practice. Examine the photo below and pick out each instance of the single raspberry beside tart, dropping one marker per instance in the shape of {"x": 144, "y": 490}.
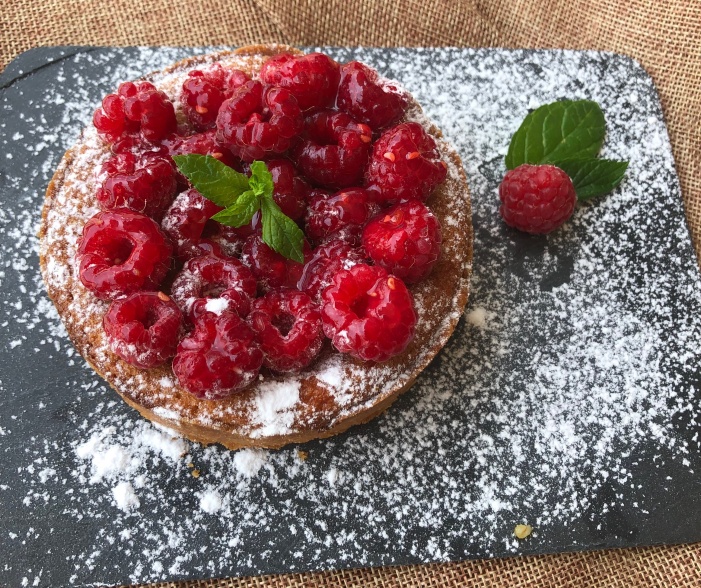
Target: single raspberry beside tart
{"x": 325, "y": 262}
{"x": 143, "y": 328}
{"x": 288, "y": 325}
{"x": 536, "y": 199}
{"x": 348, "y": 209}
{"x": 271, "y": 269}
{"x": 405, "y": 240}
{"x": 219, "y": 357}
{"x": 368, "y": 313}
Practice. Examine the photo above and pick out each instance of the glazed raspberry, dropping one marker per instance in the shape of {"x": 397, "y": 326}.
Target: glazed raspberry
{"x": 405, "y": 240}
{"x": 348, "y": 209}
{"x": 145, "y": 184}
{"x": 220, "y": 357}
{"x": 334, "y": 149}
{"x": 202, "y": 144}
{"x": 368, "y": 313}
{"x": 536, "y": 199}
{"x": 143, "y": 328}
{"x": 362, "y": 95}
{"x": 204, "y": 91}
{"x": 312, "y": 79}
{"x": 288, "y": 326}
{"x": 290, "y": 189}
{"x": 325, "y": 262}
{"x": 405, "y": 165}
{"x": 257, "y": 122}
{"x": 232, "y": 239}
{"x": 122, "y": 252}
{"x": 271, "y": 269}
{"x": 213, "y": 284}
{"x": 185, "y": 220}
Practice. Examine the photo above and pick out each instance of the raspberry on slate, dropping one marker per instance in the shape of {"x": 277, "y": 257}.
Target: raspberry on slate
{"x": 144, "y": 184}
{"x": 325, "y": 262}
{"x": 219, "y": 357}
{"x": 122, "y": 252}
{"x": 368, "y": 313}
{"x": 536, "y": 199}
{"x": 405, "y": 165}
{"x": 185, "y": 220}
{"x": 348, "y": 209}
{"x": 204, "y": 91}
{"x": 312, "y": 79}
{"x": 362, "y": 95}
{"x": 257, "y": 122}
{"x": 405, "y": 240}
{"x": 271, "y": 269}
{"x": 226, "y": 281}
{"x": 288, "y": 326}
{"x": 143, "y": 328}
{"x": 334, "y": 149}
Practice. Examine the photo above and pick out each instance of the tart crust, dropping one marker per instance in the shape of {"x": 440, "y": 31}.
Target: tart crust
{"x": 334, "y": 393}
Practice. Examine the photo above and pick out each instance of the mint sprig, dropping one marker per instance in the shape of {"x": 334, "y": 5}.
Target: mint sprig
{"x": 568, "y": 134}
{"x": 241, "y": 197}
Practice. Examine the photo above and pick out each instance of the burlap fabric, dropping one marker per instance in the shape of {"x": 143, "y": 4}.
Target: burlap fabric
{"x": 664, "y": 35}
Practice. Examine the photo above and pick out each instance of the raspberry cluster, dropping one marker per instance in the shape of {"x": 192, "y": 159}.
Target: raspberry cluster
{"x": 216, "y": 300}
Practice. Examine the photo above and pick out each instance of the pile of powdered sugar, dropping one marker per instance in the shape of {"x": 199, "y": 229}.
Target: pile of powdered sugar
{"x": 572, "y": 367}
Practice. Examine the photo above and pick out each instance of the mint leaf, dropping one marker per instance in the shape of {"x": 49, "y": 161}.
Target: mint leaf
{"x": 211, "y": 178}
{"x": 593, "y": 177}
{"x": 567, "y": 129}
{"x": 261, "y": 180}
{"x": 240, "y": 212}
{"x": 280, "y": 232}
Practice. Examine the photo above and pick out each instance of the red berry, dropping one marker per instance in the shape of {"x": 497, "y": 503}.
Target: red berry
{"x": 213, "y": 284}
{"x": 271, "y": 269}
{"x": 122, "y": 252}
{"x": 536, "y": 199}
{"x": 144, "y": 184}
{"x": 220, "y": 357}
{"x": 334, "y": 149}
{"x": 367, "y": 98}
{"x": 111, "y": 122}
{"x": 288, "y": 326}
{"x": 203, "y": 144}
{"x": 348, "y": 209}
{"x": 291, "y": 190}
{"x": 312, "y": 79}
{"x": 257, "y": 122}
{"x": 405, "y": 240}
{"x": 143, "y": 328}
{"x": 405, "y": 165}
{"x": 204, "y": 92}
{"x": 185, "y": 220}
{"x": 325, "y": 262}
{"x": 368, "y": 313}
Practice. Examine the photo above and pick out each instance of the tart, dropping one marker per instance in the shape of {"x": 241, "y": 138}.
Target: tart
{"x": 114, "y": 208}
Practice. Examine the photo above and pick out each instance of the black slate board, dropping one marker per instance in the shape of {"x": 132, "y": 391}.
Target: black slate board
{"x": 488, "y": 437}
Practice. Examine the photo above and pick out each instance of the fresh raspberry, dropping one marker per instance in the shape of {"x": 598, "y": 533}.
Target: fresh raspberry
{"x": 312, "y": 79}
{"x": 144, "y": 184}
{"x": 368, "y": 313}
{"x": 204, "y": 92}
{"x": 137, "y": 106}
{"x": 257, "y": 122}
{"x": 137, "y": 145}
{"x": 143, "y": 328}
{"x": 232, "y": 239}
{"x": 291, "y": 190}
{"x": 202, "y": 144}
{"x": 185, "y": 220}
{"x": 122, "y": 252}
{"x": 366, "y": 98}
{"x": 326, "y": 261}
{"x": 288, "y": 326}
{"x": 271, "y": 269}
{"x": 334, "y": 149}
{"x": 220, "y": 357}
{"x": 405, "y": 240}
{"x": 347, "y": 210}
{"x": 213, "y": 284}
{"x": 536, "y": 199}
{"x": 405, "y": 165}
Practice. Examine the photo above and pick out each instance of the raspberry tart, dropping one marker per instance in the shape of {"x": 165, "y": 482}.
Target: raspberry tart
{"x": 296, "y": 304}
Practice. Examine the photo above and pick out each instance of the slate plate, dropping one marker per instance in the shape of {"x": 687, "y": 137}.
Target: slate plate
{"x": 567, "y": 399}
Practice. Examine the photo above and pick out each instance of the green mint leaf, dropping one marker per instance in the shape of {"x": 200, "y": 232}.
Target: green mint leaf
{"x": 567, "y": 129}
{"x": 240, "y": 212}
{"x": 211, "y": 178}
{"x": 280, "y": 232}
{"x": 593, "y": 177}
{"x": 261, "y": 179}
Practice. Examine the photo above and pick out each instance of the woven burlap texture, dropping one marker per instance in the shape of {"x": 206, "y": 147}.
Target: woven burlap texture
{"x": 662, "y": 35}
